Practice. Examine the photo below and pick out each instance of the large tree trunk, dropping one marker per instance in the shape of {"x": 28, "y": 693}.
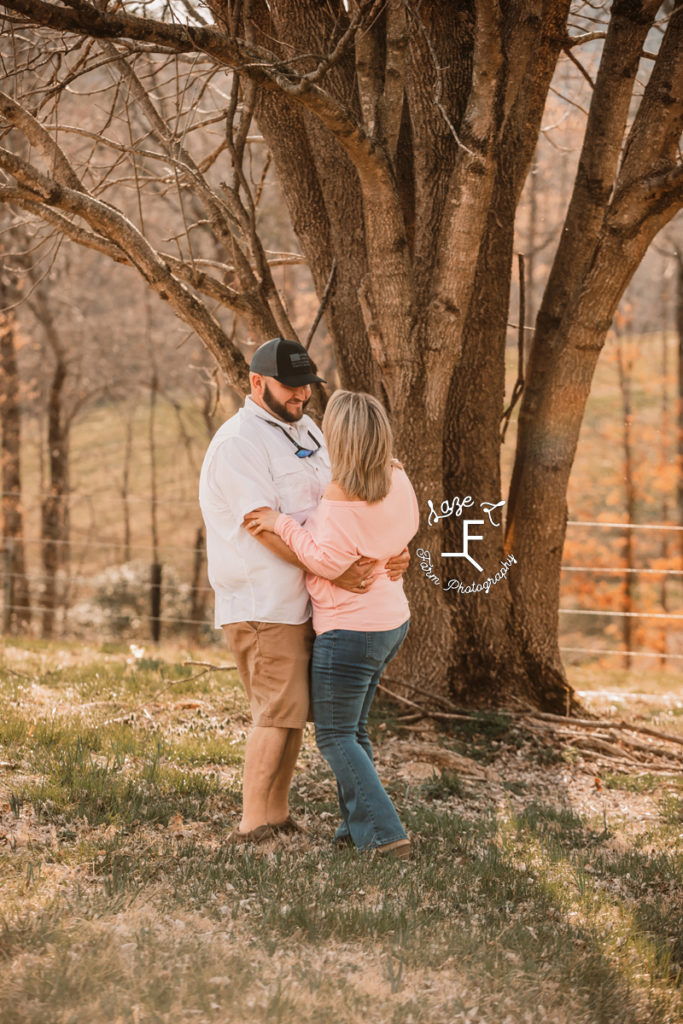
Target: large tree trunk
{"x": 17, "y": 610}
{"x": 679, "y": 389}
{"x": 601, "y": 246}
{"x": 426, "y": 272}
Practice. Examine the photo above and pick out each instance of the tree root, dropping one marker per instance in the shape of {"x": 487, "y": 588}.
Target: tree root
{"x": 601, "y": 723}
{"x": 609, "y": 739}
{"x": 429, "y": 694}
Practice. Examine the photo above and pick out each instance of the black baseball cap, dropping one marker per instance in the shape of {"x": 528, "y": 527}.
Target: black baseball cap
{"x": 287, "y": 361}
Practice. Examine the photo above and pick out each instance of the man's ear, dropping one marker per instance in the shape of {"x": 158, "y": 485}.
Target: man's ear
{"x": 257, "y": 383}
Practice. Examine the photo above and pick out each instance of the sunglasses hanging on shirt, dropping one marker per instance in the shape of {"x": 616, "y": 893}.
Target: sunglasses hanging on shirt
{"x": 301, "y": 452}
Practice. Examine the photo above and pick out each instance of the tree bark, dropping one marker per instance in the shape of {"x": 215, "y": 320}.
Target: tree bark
{"x": 624, "y": 367}
{"x": 17, "y": 610}
{"x": 603, "y": 242}
{"x": 679, "y": 390}
{"x": 54, "y": 518}
{"x": 198, "y": 586}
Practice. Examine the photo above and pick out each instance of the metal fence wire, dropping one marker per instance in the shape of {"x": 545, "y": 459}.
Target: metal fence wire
{"x": 174, "y": 591}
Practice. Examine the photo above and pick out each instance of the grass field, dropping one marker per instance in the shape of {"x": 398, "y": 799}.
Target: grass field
{"x": 535, "y": 893}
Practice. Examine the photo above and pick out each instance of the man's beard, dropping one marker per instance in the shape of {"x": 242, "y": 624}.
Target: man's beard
{"x": 281, "y": 410}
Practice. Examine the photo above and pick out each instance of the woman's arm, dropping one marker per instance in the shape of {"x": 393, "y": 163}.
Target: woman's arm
{"x": 328, "y": 557}
{"x": 355, "y": 579}
{"x": 279, "y": 548}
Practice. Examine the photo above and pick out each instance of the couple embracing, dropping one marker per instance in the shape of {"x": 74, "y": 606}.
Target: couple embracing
{"x": 295, "y": 518}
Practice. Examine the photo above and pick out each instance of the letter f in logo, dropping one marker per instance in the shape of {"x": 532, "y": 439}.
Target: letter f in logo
{"x": 466, "y": 538}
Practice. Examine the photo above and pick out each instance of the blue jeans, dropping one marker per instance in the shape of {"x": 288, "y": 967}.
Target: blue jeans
{"x": 346, "y": 667}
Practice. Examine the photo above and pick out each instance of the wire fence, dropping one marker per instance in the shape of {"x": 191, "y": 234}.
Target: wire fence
{"x": 672, "y": 642}
{"x": 120, "y": 591}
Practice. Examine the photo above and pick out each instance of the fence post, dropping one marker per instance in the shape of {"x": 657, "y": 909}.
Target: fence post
{"x": 155, "y": 601}
{"x": 198, "y": 603}
{"x": 8, "y": 584}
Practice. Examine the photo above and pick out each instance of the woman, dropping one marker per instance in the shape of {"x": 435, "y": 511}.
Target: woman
{"x": 370, "y": 509}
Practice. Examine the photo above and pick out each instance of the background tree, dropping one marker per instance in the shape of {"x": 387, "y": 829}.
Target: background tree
{"x": 402, "y": 137}
{"x": 17, "y": 596}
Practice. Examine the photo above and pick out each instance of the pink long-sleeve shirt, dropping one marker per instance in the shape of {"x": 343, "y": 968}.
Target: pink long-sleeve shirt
{"x": 339, "y": 532}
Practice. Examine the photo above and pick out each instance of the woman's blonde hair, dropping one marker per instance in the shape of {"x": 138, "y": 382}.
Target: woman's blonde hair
{"x": 360, "y": 443}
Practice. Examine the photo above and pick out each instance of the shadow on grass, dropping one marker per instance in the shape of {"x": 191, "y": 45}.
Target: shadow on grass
{"x": 544, "y": 934}
{"x": 631, "y": 904}
{"x": 529, "y": 916}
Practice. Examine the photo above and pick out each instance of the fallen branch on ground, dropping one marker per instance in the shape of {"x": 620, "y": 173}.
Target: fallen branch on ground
{"x": 211, "y": 668}
{"x": 168, "y": 683}
{"x": 601, "y": 723}
{"x": 616, "y": 733}
{"x": 581, "y": 731}
{"x": 425, "y": 712}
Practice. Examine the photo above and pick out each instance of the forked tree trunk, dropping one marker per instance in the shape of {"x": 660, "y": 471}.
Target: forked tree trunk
{"x": 619, "y": 203}
{"x": 439, "y": 368}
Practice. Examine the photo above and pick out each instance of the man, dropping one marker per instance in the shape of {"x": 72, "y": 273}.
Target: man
{"x": 269, "y": 454}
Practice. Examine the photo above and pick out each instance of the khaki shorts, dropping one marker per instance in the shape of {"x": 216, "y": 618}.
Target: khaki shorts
{"x": 273, "y": 660}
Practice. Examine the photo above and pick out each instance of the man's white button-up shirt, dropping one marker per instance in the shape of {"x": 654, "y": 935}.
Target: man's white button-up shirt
{"x": 249, "y": 464}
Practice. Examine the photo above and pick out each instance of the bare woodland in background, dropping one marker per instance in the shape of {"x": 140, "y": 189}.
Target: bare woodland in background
{"x": 253, "y": 165}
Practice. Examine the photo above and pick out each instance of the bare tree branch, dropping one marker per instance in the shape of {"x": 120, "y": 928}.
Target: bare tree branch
{"x": 37, "y": 134}
{"x": 260, "y": 65}
{"x": 577, "y": 63}
{"x": 586, "y": 37}
{"x": 112, "y": 224}
{"x": 651, "y": 134}
{"x": 214, "y": 204}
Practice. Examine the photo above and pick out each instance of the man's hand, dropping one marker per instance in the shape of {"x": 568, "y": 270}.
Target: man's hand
{"x": 357, "y": 577}
{"x": 398, "y": 564}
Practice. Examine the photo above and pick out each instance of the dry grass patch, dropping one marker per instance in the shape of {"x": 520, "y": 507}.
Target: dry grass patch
{"x": 534, "y": 895}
